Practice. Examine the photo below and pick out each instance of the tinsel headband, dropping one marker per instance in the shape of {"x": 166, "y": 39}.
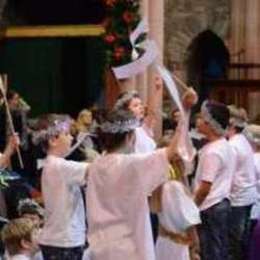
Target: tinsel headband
{"x": 55, "y": 129}
{"x": 252, "y": 133}
{"x": 210, "y": 120}
{"x": 119, "y": 126}
{"x": 124, "y": 99}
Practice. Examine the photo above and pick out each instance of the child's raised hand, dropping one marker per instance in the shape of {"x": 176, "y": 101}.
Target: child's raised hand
{"x": 14, "y": 141}
{"x": 190, "y": 98}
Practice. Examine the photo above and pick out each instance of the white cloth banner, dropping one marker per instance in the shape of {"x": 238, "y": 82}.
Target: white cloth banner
{"x": 138, "y": 66}
{"x": 185, "y": 146}
{"x": 141, "y": 28}
{"x": 171, "y": 87}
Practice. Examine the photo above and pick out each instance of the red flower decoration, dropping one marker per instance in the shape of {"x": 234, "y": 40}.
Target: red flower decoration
{"x": 128, "y": 16}
{"x": 110, "y": 3}
{"x": 110, "y": 38}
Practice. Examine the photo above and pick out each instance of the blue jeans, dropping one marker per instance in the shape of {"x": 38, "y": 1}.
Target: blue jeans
{"x": 239, "y": 232}
{"x": 59, "y": 253}
{"x": 213, "y": 232}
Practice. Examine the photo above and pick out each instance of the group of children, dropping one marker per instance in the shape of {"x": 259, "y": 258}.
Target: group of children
{"x": 106, "y": 204}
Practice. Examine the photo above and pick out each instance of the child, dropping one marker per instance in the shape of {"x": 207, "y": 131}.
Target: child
{"x": 63, "y": 233}
{"x": 29, "y": 208}
{"x": 243, "y": 190}
{"x": 18, "y": 238}
{"x": 252, "y": 132}
{"x": 131, "y": 101}
{"x": 118, "y": 186}
{"x": 213, "y": 181}
{"x": 5, "y": 159}
{"x": 178, "y": 217}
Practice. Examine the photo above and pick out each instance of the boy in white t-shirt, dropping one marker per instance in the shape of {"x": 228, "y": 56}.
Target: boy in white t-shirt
{"x": 63, "y": 233}
{"x": 213, "y": 181}
{"x": 243, "y": 189}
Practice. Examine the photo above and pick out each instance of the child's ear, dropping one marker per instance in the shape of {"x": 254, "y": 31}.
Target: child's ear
{"x": 52, "y": 141}
{"x": 26, "y": 245}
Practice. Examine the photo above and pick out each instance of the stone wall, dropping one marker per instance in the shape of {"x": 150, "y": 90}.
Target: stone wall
{"x": 185, "y": 19}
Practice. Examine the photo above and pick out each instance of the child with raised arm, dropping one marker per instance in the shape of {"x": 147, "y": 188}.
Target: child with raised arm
{"x": 177, "y": 213}
{"x": 131, "y": 101}
{"x": 63, "y": 233}
{"x": 119, "y": 183}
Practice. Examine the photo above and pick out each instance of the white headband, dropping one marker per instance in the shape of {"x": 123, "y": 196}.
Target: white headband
{"x": 124, "y": 99}
{"x": 252, "y": 133}
{"x": 58, "y": 127}
{"x": 119, "y": 126}
{"x": 209, "y": 119}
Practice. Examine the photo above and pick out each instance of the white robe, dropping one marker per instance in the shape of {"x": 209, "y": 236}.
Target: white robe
{"x": 118, "y": 212}
{"x": 178, "y": 213}
{"x": 144, "y": 143}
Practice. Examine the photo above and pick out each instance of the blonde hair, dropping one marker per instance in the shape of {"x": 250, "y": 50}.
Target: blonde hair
{"x": 80, "y": 124}
{"x": 14, "y": 232}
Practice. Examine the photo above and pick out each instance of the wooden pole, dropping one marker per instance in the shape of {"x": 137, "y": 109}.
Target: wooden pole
{"x": 9, "y": 116}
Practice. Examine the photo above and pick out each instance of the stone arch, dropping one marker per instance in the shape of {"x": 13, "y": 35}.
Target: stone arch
{"x": 207, "y": 59}
{"x": 185, "y": 19}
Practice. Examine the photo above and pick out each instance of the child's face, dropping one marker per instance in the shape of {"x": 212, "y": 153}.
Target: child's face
{"x": 13, "y": 103}
{"x": 34, "y": 218}
{"x": 86, "y": 118}
{"x": 62, "y": 142}
{"x": 202, "y": 126}
{"x": 136, "y": 107}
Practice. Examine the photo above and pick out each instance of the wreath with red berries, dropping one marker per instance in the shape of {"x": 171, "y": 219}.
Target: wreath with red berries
{"x": 122, "y": 18}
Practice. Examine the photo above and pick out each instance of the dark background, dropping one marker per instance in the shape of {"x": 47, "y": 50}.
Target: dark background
{"x": 54, "y": 12}
{"x": 58, "y": 74}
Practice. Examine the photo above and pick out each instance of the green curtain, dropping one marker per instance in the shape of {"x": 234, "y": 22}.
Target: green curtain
{"x": 61, "y": 75}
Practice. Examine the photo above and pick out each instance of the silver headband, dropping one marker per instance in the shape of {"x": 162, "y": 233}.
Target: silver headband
{"x": 209, "y": 119}
{"x": 238, "y": 122}
{"x": 51, "y": 131}
{"x": 251, "y": 134}
{"x": 119, "y": 126}
{"x": 31, "y": 204}
{"x": 124, "y": 99}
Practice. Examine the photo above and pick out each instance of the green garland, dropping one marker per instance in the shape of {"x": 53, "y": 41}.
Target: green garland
{"x": 5, "y": 177}
{"x": 122, "y": 18}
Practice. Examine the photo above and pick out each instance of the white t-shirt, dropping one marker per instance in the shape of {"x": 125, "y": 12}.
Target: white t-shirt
{"x": 19, "y": 257}
{"x": 216, "y": 165}
{"x": 243, "y": 191}
{"x": 64, "y": 224}
{"x": 143, "y": 142}
{"x": 118, "y": 212}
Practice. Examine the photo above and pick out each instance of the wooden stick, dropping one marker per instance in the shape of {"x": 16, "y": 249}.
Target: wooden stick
{"x": 181, "y": 83}
{"x": 10, "y": 120}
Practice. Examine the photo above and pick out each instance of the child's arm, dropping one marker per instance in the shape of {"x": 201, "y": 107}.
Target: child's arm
{"x": 13, "y": 143}
{"x": 195, "y": 243}
{"x": 202, "y": 192}
{"x": 210, "y": 166}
